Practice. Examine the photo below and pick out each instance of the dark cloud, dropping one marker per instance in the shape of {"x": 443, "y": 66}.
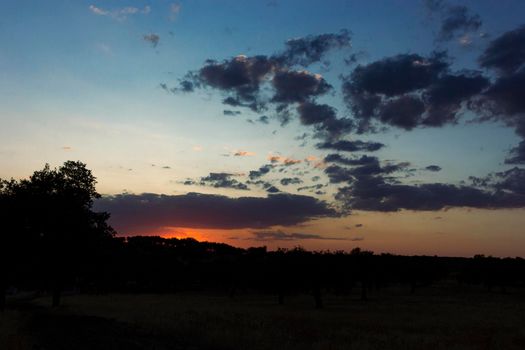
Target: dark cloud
{"x": 393, "y": 76}
{"x": 457, "y": 20}
{"x": 505, "y": 101}
{"x": 274, "y": 83}
{"x": 434, "y": 168}
{"x": 506, "y": 53}
{"x": 517, "y": 154}
{"x": 338, "y": 174}
{"x": 443, "y": 99}
{"x": 512, "y": 180}
{"x": 311, "y": 188}
{"x": 187, "y": 86}
{"x": 139, "y": 214}
{"x": 408, "y": 91}
{"x": 298, "y": 86}
{"x": 363, "y": 160}
{"x": 152, "y": 38}
{"x": 404, "y": 112}
{"x": 324, "y": 118}
{"x": 263, "y": 170}
{"x": 291, "y": 181}
{"x": 230, "y": 112}
{"x": 263, "y": 119}
{"x": 375, "y": 193}
{"x": 240, "y": 76}
{"x": 272, "y": 189}
{"x": 351, "y": 146}
{"x": 312, "y": 48}
{"x": 282, "y": 236}
{"x": 509, "y": 181}
{"x": 223, "y": 180}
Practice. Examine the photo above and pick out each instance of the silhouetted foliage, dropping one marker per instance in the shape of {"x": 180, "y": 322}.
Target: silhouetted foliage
{"x": 52, "y": 232}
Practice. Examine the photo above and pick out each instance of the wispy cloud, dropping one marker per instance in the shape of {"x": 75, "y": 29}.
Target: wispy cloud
{"x": 152, "y": 38}
{"x": 174, "y": 11}
{"x": 283, "y": 236}
{"x": 243, "y": 154}
{"x": 119, "y": 14}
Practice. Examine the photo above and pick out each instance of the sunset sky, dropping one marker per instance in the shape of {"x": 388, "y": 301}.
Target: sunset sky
{"x": 396, "y": 126}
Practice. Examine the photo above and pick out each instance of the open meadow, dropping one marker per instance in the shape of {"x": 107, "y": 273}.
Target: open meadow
{"x": 429, "y": 319}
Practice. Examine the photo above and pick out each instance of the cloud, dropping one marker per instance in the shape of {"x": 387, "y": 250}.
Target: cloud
{"x": 508, "y": 181}
{"x": 241, "y": 79}
{"x": 517, "y": 154}
{"x": 434, "y": 168}
{"x": 152, "y": 38}
{"x": 282, "y": 236}
{"x": 119, "y": 14}
{"x": 263, "y": 170}
{"x": 363, "y": 160}
{"x": 312, "y": 48}
{"x": 243, "y": 154}
{"x": 351, "y": 146}
{"x": 375, "y": 193}
{"x": 408, "y": 91}
{"x": 283, "y": 160}
{"x": 504, "y": 100}
{"x": 324, "y": 118}
{"x": 143, "y": 213}
{"x": 370, "y": 166}
{"x": 404, "y": 112}
{"x": 272, "y": 189}
{"x": 222, "y": 180}
{"x": 230, "y": 112}
{"x": 393, "y": 76}
{"x": 98, "y": 11}
{"x": 174, "y": 11}
{"x": 456, "y": 20}
{"x": 291, "y": 181}
{"x": 311, "y": 188}
{"x": 240, "y": 76}
{"x": 506, "y": 53}
{"x": 298, "y": 86}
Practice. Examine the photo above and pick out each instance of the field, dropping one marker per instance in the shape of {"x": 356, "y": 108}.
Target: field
{"x": 429, "y": 319}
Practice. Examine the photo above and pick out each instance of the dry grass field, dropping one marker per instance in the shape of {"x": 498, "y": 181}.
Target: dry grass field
{"x": 430, "y": 319}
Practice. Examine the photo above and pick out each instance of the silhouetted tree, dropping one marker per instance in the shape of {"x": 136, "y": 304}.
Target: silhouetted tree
{"x": 55, "y": 206}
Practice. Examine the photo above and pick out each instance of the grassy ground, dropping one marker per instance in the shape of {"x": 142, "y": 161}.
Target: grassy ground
{"x": 428, "y": 320}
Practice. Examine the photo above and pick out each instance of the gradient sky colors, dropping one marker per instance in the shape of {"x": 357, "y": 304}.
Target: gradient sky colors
{"x": 136, "y": 90}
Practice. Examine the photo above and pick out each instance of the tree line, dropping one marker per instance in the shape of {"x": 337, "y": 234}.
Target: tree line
{"x": 52, "y": 240}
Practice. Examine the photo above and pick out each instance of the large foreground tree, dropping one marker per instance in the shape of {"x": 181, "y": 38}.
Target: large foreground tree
{"x": 52, "y": 225}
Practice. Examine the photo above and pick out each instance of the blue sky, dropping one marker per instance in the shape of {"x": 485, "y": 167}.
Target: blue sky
{"x": 79, "y": 81}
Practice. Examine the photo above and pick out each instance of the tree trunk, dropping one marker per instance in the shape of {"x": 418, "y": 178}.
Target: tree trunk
{"x": 317, "y": 297}
{"x": 363, "y": 290}
{"x": 2, "y": 296}
{"x": 281, "y": 296}
{"x": 56, "y": 293}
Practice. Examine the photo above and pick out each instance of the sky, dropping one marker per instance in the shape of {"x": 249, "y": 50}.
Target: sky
{"x": 394, "y": 126}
